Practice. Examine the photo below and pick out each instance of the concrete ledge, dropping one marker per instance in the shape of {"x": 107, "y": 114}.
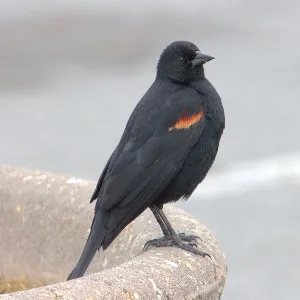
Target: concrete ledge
{"x": 44, "y": 223}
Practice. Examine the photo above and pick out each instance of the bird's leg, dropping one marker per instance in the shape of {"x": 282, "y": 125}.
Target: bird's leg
{"x": 171, "y": 238}
{"x": 161, "y": 223}
{"x": 167, "y": 228}
{"x": 166, "y": 231}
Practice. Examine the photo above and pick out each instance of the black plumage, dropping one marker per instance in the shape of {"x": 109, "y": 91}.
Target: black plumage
{"x": 168, "y": 146}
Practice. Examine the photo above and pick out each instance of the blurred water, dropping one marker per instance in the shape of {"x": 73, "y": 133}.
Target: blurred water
{"x": 71, "y": 73}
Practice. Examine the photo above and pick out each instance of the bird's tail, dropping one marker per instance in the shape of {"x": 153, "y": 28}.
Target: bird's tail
{"x": 94, "y": 242}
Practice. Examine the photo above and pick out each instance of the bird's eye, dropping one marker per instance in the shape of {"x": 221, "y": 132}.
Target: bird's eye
{"x": 181, "y": 59}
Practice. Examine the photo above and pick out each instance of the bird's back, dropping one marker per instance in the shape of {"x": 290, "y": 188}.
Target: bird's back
{"x": 144, "y": 122}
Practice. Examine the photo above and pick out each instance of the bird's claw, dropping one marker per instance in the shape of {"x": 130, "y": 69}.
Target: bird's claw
{"x": 149, "y": 243}
{"x": 188, "y": 238}
{"x": 177, "y": 241}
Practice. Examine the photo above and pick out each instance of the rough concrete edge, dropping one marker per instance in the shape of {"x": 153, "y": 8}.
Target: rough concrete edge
{"x": 166, "y": 273}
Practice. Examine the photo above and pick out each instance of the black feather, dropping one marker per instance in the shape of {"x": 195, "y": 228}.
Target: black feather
{"x": 155, "y": 161}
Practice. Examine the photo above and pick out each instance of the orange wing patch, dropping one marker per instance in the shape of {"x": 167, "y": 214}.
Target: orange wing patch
{"x": 186, "y": 122}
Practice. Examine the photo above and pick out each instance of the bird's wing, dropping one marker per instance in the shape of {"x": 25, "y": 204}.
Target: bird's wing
{"x": 148, "y": 162}
{"x": 100, "y": 181}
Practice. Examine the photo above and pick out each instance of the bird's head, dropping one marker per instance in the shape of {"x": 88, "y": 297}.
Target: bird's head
{"x": 182, "y": 61}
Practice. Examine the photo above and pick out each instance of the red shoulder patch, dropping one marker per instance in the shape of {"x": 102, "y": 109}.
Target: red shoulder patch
{"x": 185, "y": 122}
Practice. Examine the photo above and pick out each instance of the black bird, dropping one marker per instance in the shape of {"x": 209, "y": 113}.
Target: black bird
{"x": 169, "y": 144}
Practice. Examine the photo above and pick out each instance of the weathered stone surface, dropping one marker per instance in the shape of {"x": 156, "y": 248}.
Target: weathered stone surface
{"x": 44, "y": 223}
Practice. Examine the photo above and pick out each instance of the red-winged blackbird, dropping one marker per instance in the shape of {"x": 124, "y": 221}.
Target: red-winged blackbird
{"x": 168, "y": 146}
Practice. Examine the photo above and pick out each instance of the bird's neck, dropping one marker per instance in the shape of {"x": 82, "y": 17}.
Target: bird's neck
{"x": 198, "y": 73}
{"x": 194, "y": 74}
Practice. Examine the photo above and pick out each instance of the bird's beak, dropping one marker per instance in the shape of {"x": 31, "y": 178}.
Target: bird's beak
{"x": 201, "y": 58}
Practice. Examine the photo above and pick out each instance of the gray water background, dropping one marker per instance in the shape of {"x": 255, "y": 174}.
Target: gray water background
{"x": 71, "y": 73}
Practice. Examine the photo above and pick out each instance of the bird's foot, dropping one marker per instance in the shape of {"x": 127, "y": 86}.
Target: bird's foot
{"x": 177, "y": 241}
{"x": 189, "y": 238}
